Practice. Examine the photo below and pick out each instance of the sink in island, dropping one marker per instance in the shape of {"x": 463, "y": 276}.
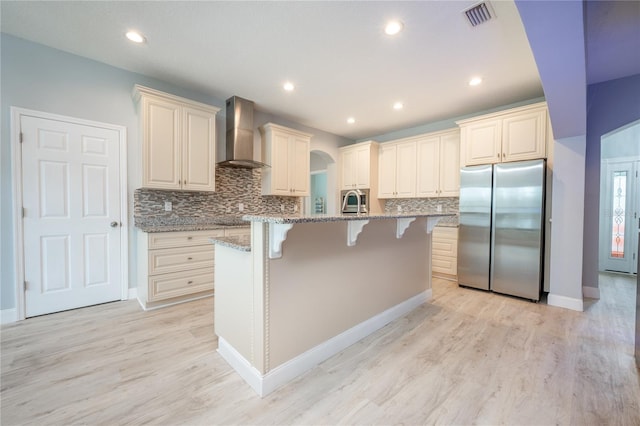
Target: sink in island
{"x": 303, "y": 288}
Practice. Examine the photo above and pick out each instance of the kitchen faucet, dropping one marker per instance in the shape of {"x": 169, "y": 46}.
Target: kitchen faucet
{"x": 355, "y": 192}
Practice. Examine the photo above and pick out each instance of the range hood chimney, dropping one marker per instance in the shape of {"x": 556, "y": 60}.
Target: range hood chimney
{"x": 240, "y": 135}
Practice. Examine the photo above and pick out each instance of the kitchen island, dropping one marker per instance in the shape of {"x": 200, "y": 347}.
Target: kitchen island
{"x": 303, "y": 288}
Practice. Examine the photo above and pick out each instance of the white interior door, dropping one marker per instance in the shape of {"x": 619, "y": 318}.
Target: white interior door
{"x": 72, "y": 215}
{"x": 620, "y": 211}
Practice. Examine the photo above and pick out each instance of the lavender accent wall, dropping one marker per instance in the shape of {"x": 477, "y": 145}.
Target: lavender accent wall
{"x": 610, "y": 105}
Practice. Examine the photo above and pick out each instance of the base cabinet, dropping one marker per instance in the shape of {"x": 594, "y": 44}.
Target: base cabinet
{"x": 444, "y": 253}
{"x": 177, "y": 266}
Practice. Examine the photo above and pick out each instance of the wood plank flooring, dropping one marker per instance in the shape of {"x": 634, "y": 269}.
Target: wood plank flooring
{"x": 467, "y": 357}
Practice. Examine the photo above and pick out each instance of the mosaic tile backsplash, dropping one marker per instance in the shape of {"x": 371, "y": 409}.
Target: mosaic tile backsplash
{"x": 449, "y": 204}
{"x": 233, "y": 186}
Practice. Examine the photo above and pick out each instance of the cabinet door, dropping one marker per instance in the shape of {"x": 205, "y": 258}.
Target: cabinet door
{"x": 482, "y": 141}
{"x": 167, "y": 286}
{"x": 524, "y": 136}
{"x": 387, "y": 171}
{"x": 450, "y": 165}
{"x": 363, "y": 167}
{"x": 161, "y": 144}
{"x": 299, "y": 167}
{"x": 406, "y": 170}
{"x": 198, "y": 150}
{"x": 280, "y": 164}
{"x": 428, "y": 167}
{"x": 348, "y": 169}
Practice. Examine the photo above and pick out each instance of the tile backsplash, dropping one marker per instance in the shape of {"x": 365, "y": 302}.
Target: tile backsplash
{"x": 234, "y": 186}
{"x": 449, "y": 205}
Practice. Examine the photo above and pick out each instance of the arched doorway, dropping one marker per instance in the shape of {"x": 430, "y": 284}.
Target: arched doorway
{"x": 323, "y": 184}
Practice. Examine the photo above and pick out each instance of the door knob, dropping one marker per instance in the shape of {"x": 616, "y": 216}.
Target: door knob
{"x": 114, "y": 224}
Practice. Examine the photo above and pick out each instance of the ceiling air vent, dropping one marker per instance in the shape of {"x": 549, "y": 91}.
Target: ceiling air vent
{"x": 480, "y": 13}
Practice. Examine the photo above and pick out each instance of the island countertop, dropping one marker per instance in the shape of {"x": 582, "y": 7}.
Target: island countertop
{"x": 292, "y": 219}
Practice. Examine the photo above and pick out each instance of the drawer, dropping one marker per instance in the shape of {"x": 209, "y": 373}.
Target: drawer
{"x": 445, "y": 248}
{"x": 444, "y": 265}
{"x": 163, "y": 261}
{"x": 177, "y": 284}
{"x": 237, "y": 231}
{"x": 159, "y": 240}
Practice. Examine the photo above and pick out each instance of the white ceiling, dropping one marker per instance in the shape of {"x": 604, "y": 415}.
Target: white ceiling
{"x": 335, "y": 52}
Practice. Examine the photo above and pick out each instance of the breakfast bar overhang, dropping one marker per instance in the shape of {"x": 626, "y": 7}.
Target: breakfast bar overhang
{"x": 303, "y": 288}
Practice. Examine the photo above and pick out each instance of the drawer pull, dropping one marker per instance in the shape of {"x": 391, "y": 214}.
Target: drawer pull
{"x": 189, "y": 282}
{"x": 189, "y": 238}
{"x": 189, "y": 258}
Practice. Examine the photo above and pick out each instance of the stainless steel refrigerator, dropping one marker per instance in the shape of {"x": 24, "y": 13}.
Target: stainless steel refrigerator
{"x": 501, "y": 235}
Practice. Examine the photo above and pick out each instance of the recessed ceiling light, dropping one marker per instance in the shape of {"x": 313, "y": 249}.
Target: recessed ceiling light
{"x": 351, "y": 120}
{"x": 393, "y": 27}
{"x": 135, "y": 37}
{"x": 475, "y": 81}
{"x": 289, "y": 86}
{"x": 398, "y": 105}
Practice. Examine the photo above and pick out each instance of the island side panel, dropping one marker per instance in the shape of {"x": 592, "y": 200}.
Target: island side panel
{"x": 321, "y": 287}
{"x": 233, "y": 309}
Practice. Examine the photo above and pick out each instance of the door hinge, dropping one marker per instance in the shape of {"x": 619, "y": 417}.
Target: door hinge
{"x": 24, "y": 212}
{"x": 26, "y": 285}
{"x": 21, "y": 137}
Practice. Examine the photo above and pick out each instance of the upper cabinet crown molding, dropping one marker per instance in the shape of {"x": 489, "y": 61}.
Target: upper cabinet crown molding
{"x": 139, "y": 90}
{"x": 178, "y": 141}
{"x": 287, "y": 152}
{"x": 511, "y": 135}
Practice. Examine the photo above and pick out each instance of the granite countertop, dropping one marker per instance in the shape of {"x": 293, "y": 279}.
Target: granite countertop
{"x": 189, "y": 223}
{"x": 290, "y": 219}
{"x": 238, "y": 242}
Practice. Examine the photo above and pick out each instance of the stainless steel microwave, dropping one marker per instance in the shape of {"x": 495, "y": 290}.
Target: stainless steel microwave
{"x": 351, "y": 204}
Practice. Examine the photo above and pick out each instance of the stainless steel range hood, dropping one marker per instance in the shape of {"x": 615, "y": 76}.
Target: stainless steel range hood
{"x": 240, "y": 135}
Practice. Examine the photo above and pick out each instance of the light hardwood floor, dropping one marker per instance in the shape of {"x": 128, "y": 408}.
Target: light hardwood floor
{"x": 467, "y": 357}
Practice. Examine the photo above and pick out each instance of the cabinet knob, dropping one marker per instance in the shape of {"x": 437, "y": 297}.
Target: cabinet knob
{"x": 189, "y": 238}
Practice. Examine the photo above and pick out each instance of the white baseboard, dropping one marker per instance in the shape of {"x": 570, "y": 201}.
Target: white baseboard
{"x": 8, "y": 316}
{"x": 267, "y": 383}
{"x": 565, "y": 302}
{"x": 133, "y": 293}
{"x": 591, "y": 292}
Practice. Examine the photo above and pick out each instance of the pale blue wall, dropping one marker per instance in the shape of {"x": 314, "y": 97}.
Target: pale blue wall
{"x": 443, "y": 124}
{"x": 610, "y": 105}
{"x": 40, "y": 78}
{"x": 44, "y": 79}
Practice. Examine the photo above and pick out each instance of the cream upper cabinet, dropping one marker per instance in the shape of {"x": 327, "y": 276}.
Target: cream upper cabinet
{"x": 513, "y": 135}
{"x": 450, "y": 164}
{"x": 178, "y": 141}
{"x": 287, "y": 152}
{"x": 438, "y": 168}
{"x": 358, "y": 165}
{"x": 397, "y": 170}
{"x": 524, "y": 135}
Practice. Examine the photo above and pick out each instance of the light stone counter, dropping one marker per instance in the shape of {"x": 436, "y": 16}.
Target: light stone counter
{"x": 292, "y": 219}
